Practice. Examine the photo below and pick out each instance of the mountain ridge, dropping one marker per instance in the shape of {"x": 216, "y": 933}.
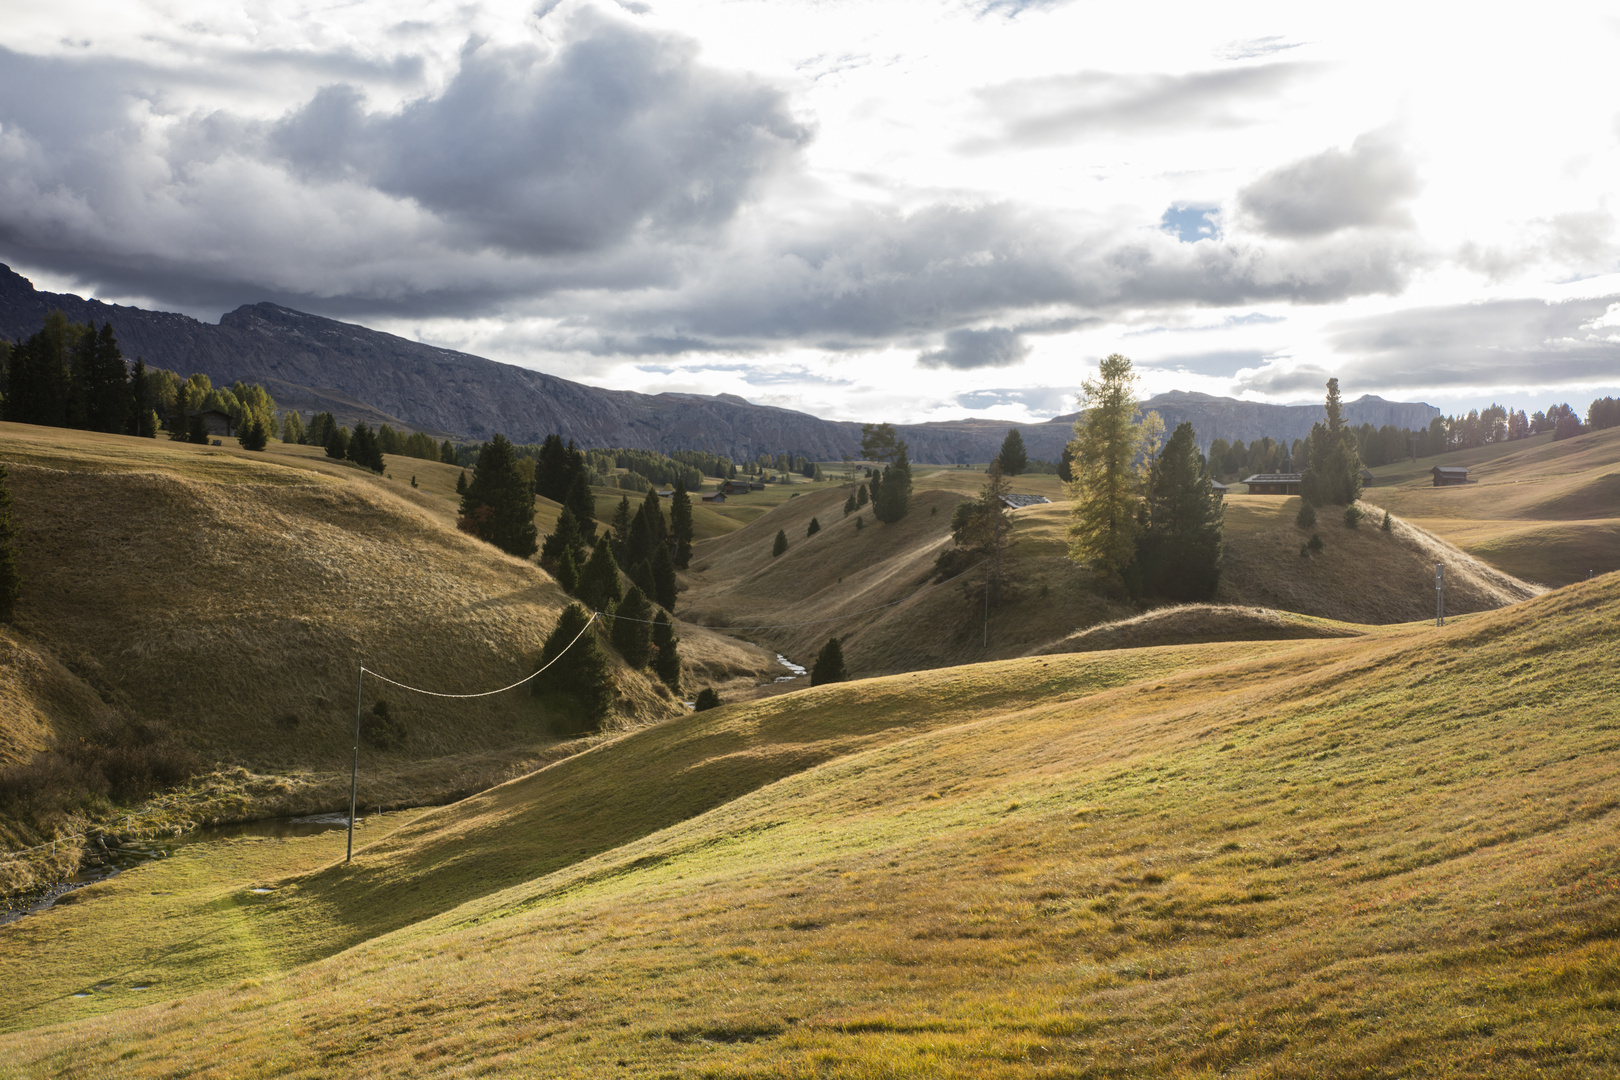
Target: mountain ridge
{"x": 313, "y": 363}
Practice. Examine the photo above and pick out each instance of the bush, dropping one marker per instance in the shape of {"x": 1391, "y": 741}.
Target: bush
{"x": 708, "y": 698}
{"x": 1386, "y": 526}
{"x": 780, "y": 545}
{"x": 1315, "y": 542}
{"x": 1306, "y": 518}
{"x": 815, "y": 527}
{"x": 380, "y": 730}
{"x": 126, "y": 761}
{"x": 1353, "y": 516}
{"x": 859, "y": 524}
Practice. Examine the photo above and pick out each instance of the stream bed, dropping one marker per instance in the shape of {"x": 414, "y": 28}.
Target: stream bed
{"x": 111, "y": 856}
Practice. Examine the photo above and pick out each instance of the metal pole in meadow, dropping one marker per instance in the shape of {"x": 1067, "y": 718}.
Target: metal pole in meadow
{"x": 1439, "y": 594}
{"x": 354, "y": 769}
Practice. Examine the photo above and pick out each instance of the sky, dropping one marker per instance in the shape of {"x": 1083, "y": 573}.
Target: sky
{"x": 908, "y": 211}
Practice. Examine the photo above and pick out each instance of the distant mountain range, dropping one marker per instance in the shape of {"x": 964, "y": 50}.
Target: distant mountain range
{"x": 312, "y": 363}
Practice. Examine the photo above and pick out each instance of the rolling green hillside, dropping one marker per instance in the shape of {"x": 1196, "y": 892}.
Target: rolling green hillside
{"x": 1389, "y": 854}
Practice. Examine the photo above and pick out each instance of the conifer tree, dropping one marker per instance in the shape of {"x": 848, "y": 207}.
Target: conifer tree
{"x": 140, "y": 402}
{"x": 875, "y": 483}
{"x": 891, "y": 501}
{"x": 461, "y": 483}
{"x": 579, "y": 670}
{"x": 197, "y": 431}
{"x": 663, "y": 578}
{"x": 1333, "y": 460}
{"x": 653, "y": 507}
{"x": 108, "y": 393}
{"x": 815, "y": 527}
{"x": 336, "y": 441}
{"x": 850, "y": 504}
{"x": 252, "y": 435}
{"x": 498, "y": 505}
{"x": 579, "y": 499}
{"x": 1179, "y": 550}
{"x": 667, "y": 662}
{"x": 292, "y": 427}
{"x": 566, "y": 537}
{"x": 599, "y": 580}
{"x": 641, "y": 576}
{"x": 363, "y": 449}
{"x": 860, "y": 496}
{"x": 708, "y": 698}
{"x": 632, "y": 628}
{"x": 680, "y": 525}
{"x": 10, "y": 581}
{"x": 447, "y": 453}
{"x": 568, "y": 572}
{"x": 38, "y": 385}
{"x": 1108, "y": 437}
{"x": 780, "y": 544}
{"x": 829, "y": 665}
{"x": 1014, "y": 458}
{"x": 551, "y": 473}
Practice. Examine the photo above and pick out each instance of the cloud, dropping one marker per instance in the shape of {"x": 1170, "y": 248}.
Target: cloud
{"x": 968, "y": 349}
{"x": 1334, "y": 190}
{"x": 1573, "y": 243}
{"x": 585, "y": 160}
{"x": 1260, "y": 46}
{"x": 1059, "y": 109}
{"x": 1213, "y": 362}
{"x": 1516, "y": 342}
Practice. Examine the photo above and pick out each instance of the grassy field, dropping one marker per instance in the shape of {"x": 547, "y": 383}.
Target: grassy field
{"x": 1387, "y": 854}
{"x": 1544, "y": 511}
{"x": 229, "y": 596}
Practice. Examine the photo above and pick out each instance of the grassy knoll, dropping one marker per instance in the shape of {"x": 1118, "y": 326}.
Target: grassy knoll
{"x": 1541, "y": 510}
{"x": 229, "y": 596}
{"x": 1389, "y": 854}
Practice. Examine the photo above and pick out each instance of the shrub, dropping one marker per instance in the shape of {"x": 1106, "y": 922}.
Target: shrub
{"x": 815, "y": 527}
{"x": 859, "y": 524}
{"x": 780, "y": 545}
{"x": 126, "y": 760}
{"x": 1353, "y": 516}
{"x": 708, "y": 698}
{"x": 381, "y": 730}
{"x": 1386, "y": 525}
{"x": 1306, "y": 518}
{"x": 1315, "y": 542}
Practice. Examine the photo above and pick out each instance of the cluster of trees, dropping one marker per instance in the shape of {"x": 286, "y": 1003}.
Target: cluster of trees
{"x": 798, "y": 464}
{"x": 890, "y": 487}
{"x": 1145, "y": 518}
{"x": 708, "y": 464}
{"x": 645, "y": 468}
{"x": 73, "y": 375}
{"x": 1332, "y": 472}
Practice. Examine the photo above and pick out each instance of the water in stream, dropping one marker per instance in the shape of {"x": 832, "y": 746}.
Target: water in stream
{"x": 117, "y": 857}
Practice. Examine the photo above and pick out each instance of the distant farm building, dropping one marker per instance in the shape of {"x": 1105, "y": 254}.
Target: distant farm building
{"x": 1013, "y": 502}
{"x": 1218, "y": 488}
{"x": 217, "y": 422}
{"x": 1449, "y": 475}
{"x": 1366, "y": 476}
{"x": 734, "y": 487}
{"x": 1283, "y": 483}
{"x": 715, "y": 497}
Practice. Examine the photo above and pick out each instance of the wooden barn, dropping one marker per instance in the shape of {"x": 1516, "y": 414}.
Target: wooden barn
{"x": 1274, "y": 483}
{"x": 1449, "y": 475}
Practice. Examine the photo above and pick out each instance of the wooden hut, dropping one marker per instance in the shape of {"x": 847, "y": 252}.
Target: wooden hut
{"x": 1449, "y": 475}
{"x": 1274, "y": 483}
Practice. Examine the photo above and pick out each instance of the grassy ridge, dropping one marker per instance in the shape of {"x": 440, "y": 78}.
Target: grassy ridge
{"x": 1392, "y": 853}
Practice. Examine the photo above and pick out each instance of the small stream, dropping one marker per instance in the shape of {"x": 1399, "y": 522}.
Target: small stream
{"x": 112, "y": 857}
{"x": 798, "y": 672}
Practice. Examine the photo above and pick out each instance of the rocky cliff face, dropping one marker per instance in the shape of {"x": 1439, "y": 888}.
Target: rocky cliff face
{"x": 313, "y": 363}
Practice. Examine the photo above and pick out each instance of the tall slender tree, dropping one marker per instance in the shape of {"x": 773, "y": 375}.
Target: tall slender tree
{"x": 1105, "y": 491}
{"x": 663, "y": 578}
{"x": 1013, "y": 458}
{"x": 1179, "y": 550}
{"x": 680, "y": 525}
{"x": 579, "y": 669}
{"x": 667, "y": 663}
{"x": 599, "y": 580}
{"x": 498, "y": 505}
{"x": 632, "y": 628}
{"x": 893, "y": 499}
{"x": 579, "y": 499}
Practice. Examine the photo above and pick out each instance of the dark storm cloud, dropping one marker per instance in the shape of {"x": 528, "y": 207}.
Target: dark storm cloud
{"x": 540, "y": 152}
{"x": 1335, "y": 190}
{"x": 968, "y": 349}
{"x": 1057, "y": 109}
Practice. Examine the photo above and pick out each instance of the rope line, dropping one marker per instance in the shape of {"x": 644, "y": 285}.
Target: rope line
{"x": 487, "y": 693}
{"x": 810, "y": 622}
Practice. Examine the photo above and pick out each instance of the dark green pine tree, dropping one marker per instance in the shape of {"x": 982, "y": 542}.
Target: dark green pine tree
{"x": 1014, "y": 459}
{"x": 565, "y": 537}
{"x": 860, "y": 496}
{"x": 623, "y": 518}
{"x": 1065, "y": 471}
{"x": 252, "y": 434}
{"x": 663, "y": 578}
{"x": 641, "y": 576}
{"x": 653, "y": 508}
{"x": 498, "y": 505}
{"x": 580, "y": 500}
{"x": 10, "y": 581}
{"x": 365, "y": 451}
{"x": 108, "y": 392}
{"x": 667, "y": 662}
{"x": 849, "y": 504}
{"x": 551, "y": 473}
{"x": 829, "y": 665}
{"x": 680, "y": 525}
{"x": 37, "y": 387}
{"x": 1179, "y": 552}
{"x": 632, "y": 628}
{"x": 779, "y": 545}
{"x": 1332, "y": 472}
{"x": 814, "y": 527}
{"x": 568, "y": 572}
{"x": 893, "y": 499}
{"x": 197, "y": 432}
{"x": 461, "y": 483}
{"x": 336, "y": 441}
{"x": 875, "y": 483}
{"x": 579, "y": 670}
{"x": 599, "y": 580}
{"x": 141, "y": 415}
{"x": 447, "y": 453}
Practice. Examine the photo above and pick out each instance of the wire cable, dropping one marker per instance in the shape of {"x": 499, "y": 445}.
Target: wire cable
{"x": 364, "y": 671}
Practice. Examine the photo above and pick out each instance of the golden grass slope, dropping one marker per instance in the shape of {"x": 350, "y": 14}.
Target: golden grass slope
{"x": 1391, "y": 854}
{"x": 232, "y": 596}
{"x": 1544, "y": 511}
{"x": 1188, "y": 624}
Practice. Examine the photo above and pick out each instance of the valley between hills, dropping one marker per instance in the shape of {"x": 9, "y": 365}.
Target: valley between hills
{"x": 1300, "y": 831}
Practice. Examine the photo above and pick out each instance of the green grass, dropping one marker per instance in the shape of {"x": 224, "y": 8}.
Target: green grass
{"x": 1391, "y": 854}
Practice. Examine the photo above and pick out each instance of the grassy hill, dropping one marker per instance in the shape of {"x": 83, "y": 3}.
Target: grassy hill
{"x": 229, "y": 597}
{"x": 1385, "y": 854}
{"x": 1544, "y": 511}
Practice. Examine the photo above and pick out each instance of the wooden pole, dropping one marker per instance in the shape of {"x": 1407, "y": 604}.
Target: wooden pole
{"x": 354, "y": 769}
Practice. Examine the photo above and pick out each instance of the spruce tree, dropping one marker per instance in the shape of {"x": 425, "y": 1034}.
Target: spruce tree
{"x": 641, "y": 576}
{"x": 336, "y": 441}
{"x": 447, "y": 453}
{"x": 849, "y": 504}
{"x": 632, "y": 628}
{"x": 667, "y": 662}
{"x": 875, "y": 483}
{"x": 579, "y": 669}
{"x": 815, "y": 527}
{"x": 623, "y": 518}
{"x": 1013, "y": 458}
{"x": 599, "y": 580}
{"x": 38, "y": 385}
{"x": 1179, "y": 550}
{"x": 891, "y": 502}
{"x": 498, "y": 505}
{"x": 860, "y": 496}
{"x": 780, "y": 544}
{"x": 653, "y": 507}
{"x": 364, "y": 449}
{"x": 197, "y": 430}
{"x": 252, "y": 435}
{"x": 565, "y": 537}
{"x": 1108, "y": 437}
{"x": 680, "y": 525}
{"x": 551, "y": 470}
{"x": 108, "y": 392}
{"x": 579, "y": 499}
{"x": 641, "y": 543}
{"x": 461, "y": 483}
{"x": 829, "y": 665}
{"x": 568, "y": 572}
{"x": 663, "y": 578}
{"x": 140, "y": 402}
{"x": 9, "y": 579}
